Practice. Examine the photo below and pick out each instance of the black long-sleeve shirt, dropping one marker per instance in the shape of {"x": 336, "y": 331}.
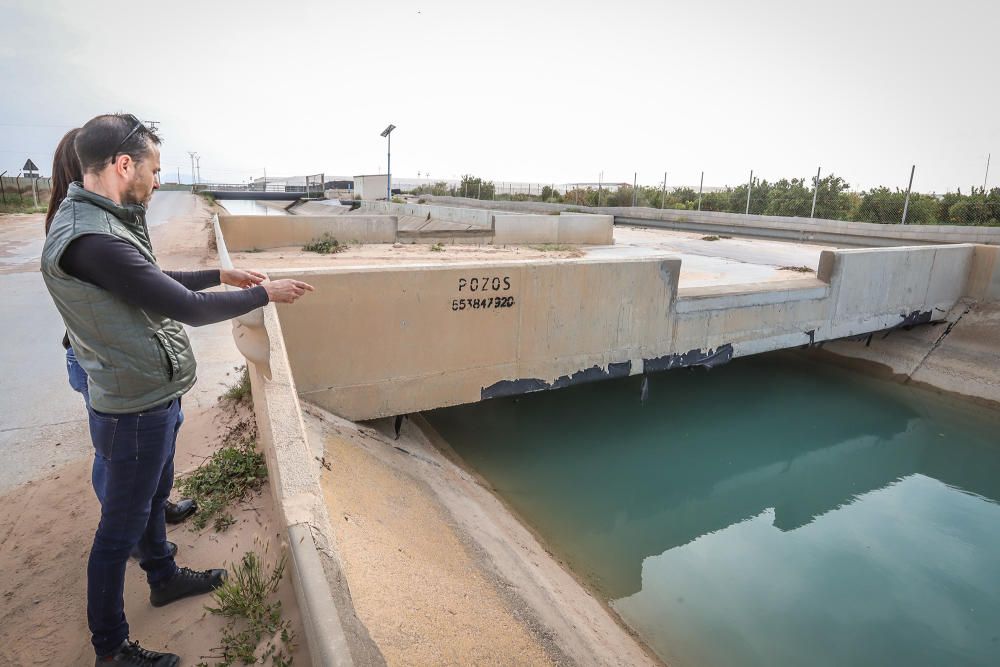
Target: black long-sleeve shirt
{"x": 117, "y": 266}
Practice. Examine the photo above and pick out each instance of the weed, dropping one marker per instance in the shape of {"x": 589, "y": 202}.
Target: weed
{"x": 710, "y": 238}
{"x": 254, "y": 250}
{"x": 325, "y": 245}
{"x": 558, "y": 247}
{"x": 208, "y": 197}
{"x": 231, "y": 474}
{"x": 239, "y": 391}
{"x": 421, "y": 201}
{"x": 437, "y": 247}
{"x": 798, "y": 269}
{"x": 247, "y": 600}
{"x": 398, "y": 200}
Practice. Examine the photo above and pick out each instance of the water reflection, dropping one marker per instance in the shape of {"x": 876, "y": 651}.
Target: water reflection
{"x": 757, "y": 494}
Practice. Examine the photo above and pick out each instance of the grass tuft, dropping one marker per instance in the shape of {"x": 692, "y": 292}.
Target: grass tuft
{"x": 437, "y": 247}
{"x": 231, "y": 474}
{"x": 256, "y": 631}
{"x": 325, "y": 245}
{"x": 798, "y": 269}
{"x": 239, "y": 391}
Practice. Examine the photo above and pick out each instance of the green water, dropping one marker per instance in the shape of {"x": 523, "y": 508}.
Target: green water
{"x": 769, "y": 512}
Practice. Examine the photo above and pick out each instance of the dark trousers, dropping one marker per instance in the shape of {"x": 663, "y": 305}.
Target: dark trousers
{"x": 132, "y": 476}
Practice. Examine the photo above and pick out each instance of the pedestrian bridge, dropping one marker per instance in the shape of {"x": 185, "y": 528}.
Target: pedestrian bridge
{"x": 381, "y": 340}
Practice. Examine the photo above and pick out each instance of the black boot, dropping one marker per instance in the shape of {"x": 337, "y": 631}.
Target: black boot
{"x": 185, "y": 583}
{"x": 130, "y": 653}
{"x": 182, "y": 509}
{"x": 171, "y": 549}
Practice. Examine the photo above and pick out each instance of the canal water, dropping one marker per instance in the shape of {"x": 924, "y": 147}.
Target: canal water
{"x": 250, "y": 207}
{"x": 769, "y": 512}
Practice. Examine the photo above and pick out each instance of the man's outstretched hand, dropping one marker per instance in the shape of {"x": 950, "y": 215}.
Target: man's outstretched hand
{"x": 286, "y": 290}
{"x": 241, "y": 278}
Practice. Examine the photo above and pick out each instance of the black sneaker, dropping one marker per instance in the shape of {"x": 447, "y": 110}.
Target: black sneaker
{"x": 185, "y": 583}
{"x": 130, "y": 653}
{"x": 171, "y": 549}
{"x": 177, "y": 512}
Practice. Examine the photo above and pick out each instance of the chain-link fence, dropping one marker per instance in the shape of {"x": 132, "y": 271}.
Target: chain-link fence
{"x": 829, "y": 197}
{"x": 19, "y": 193}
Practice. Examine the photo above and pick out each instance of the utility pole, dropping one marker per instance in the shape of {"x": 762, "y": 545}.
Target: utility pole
{"x": 988, "y": 156}
{"x": 192, "y": 154}
{"x": 178, "y": 175}
{"x": 749, "y": 189}
{"x": 663, "y": 197}
{"x": 906, "y": 204}
{"x": 815, "y": 192}
{"x": 197, "y": 159}
{"x": 701, "y": 184}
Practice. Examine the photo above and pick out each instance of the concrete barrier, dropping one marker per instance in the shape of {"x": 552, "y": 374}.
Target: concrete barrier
{"x": 382, "y": 341}
{"x": 525, "y": 229}
{"x": 585, "y": 229}
{"x": 429, "y": 336}
{"x": 261, "y": 232}
{"x": 839, "y": 232}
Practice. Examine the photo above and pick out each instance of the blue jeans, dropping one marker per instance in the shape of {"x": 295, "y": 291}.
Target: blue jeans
{"x": 132, "y": 476}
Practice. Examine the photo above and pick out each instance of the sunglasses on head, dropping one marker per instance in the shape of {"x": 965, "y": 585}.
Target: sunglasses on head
{"x": 135, "y": 128}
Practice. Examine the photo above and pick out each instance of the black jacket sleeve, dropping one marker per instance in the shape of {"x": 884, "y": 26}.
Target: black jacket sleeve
{"x": 196, "y": 280}
{"x": 117, "y": 266}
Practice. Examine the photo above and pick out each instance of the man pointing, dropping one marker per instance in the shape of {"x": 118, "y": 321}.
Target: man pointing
{"x": 124, "y": 317}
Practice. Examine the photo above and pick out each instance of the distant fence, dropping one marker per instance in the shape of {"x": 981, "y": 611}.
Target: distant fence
{"x": 20, "y": 188}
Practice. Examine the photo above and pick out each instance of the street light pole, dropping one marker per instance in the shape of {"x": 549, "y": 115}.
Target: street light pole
{"x": 388, "y": 161}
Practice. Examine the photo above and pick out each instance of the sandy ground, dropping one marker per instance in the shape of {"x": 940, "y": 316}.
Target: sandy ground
{"x": 440, "y": 572}
{"x": 51, "y": 511}
{"x": 45, "y": 537}
{"x": 726, "y": 261}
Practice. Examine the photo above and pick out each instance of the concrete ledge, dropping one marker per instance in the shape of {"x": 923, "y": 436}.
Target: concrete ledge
{"x": 694, "y": 299}
{"x": 262, "y": 232}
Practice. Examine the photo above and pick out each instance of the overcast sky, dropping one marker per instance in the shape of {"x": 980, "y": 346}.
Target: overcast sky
{"x": 520, "y": 91}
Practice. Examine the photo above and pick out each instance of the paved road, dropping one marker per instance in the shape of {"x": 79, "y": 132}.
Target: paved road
{"x": 42, "y": 421}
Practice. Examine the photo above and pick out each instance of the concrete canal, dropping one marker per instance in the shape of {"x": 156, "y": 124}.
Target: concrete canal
{"x": 773, "y": 511}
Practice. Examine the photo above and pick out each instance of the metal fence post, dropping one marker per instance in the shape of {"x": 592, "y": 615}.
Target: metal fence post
{"x": 663, "y": 197}
{"x": 815, "y": 192}
{"x": 701, "y": 184}
{"x": 749, "y": 189}
{"x": 3, "y": 192}
{"x": 635, "y": 192}
{"x": 906, "y": 204}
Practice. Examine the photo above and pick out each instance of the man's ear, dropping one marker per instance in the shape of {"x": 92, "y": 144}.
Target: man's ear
{"x": 123, "y": 163}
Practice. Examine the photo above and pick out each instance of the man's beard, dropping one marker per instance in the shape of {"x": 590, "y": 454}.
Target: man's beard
{"x": 136, "y": 195}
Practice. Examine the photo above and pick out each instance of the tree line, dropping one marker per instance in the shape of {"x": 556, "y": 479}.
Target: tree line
{"x": 786, "y": 197}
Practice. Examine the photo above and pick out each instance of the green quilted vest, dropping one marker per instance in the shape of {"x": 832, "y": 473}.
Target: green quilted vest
{"x": 135, "y": 359}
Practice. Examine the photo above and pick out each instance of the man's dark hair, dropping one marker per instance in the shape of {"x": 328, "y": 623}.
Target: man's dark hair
{"x": 105, "y": 137}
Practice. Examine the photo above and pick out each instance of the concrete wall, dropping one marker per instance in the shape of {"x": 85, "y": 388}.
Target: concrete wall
{"x": 469, "y": 216}
{"x": 837, "y": 232}
{"x": 260, "y": 232}
{"x": 382, "y": 341}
